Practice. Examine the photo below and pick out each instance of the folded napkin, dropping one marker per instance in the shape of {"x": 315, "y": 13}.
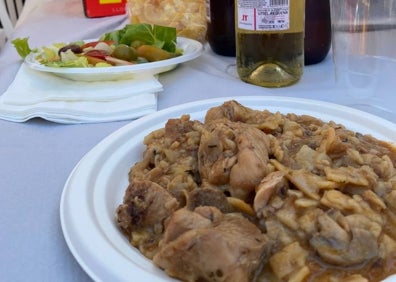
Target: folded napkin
{"x": 39, "y": 94}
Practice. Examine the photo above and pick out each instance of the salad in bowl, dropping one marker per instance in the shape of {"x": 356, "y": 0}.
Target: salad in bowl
{"x": 120, "y": 54}
{"x": 134, "y": 44}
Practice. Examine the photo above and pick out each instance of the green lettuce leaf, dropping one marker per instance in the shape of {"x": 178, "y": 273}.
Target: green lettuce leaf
{"x": 22, "y": 46}
{"x": 78, "y": 62}
{"x": 160, "y": 36}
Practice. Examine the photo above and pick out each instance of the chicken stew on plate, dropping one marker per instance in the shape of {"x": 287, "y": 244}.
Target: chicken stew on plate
{"x": 249, "y": 195}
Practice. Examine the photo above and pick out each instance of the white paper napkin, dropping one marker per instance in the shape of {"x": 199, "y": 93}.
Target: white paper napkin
{"x": 38, "y": 94}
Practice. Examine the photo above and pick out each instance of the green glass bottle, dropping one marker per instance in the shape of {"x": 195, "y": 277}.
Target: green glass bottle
{"x": 270, "y": 41}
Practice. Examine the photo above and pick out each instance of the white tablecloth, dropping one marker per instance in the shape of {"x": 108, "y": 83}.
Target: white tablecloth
{"x": 37, "y": 156}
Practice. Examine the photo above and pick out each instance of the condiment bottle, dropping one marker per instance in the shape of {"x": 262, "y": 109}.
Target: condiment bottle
{"x": 221, "y": 29}
{"x": 270, "y": 41}
{"x": 317, "y": 31}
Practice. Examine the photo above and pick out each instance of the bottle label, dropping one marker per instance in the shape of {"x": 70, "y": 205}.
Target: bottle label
{"x": 263, "y": 15}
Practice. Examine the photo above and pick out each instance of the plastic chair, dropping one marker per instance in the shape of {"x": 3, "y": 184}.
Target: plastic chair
{"x": 9, "y": 13}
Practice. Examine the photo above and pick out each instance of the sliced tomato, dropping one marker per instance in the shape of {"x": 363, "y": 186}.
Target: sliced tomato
{"x": 93, "y": 43}
{"x": 97, "y": 54}
{"x": 95, "y": 60}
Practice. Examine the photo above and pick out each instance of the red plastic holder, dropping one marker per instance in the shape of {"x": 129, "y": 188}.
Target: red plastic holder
{"x": 104, "y": 8}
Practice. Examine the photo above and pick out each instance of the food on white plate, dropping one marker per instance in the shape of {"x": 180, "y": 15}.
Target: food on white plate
{"x": 251, "y": 195}
{"x": 134, "y": 44}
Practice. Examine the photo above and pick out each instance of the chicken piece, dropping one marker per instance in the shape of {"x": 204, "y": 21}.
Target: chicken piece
{"x": 230, "y": 110}
{"x": 233, "y": 154}
{"x": 236, "y": 112}
{"x": 175, "y": 129}
{"x": 251, "y": 167}
{"x": 229, "y": 249}
{"x": 142, "y": 215}
{"x": 217, "y": 153}
{"x": 183, "y": 221}
{"x": 145, "y": 205}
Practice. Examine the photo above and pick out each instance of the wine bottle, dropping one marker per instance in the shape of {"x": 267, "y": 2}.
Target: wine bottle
{"x": 221, "y": 26}
{"x": 270, "y": 41}
{"x": 317, "y": 39}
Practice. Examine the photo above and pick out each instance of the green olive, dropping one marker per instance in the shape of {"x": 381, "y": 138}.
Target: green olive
{"x": 124, "y": 52}
{"x": 136, "y": 43}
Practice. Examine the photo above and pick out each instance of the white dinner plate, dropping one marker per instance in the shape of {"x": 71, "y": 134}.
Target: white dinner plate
{"x": 97, "y": 184}
{"x": 191, "y": 50}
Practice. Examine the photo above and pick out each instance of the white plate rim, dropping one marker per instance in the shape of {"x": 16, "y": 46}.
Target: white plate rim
{"x": 192, "y": 49}
{"x": 82, "y": 205}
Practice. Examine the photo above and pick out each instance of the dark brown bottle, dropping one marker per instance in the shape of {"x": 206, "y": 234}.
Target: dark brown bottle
{"x": 317, "y": 39}
{"x": 221, "y": 26}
